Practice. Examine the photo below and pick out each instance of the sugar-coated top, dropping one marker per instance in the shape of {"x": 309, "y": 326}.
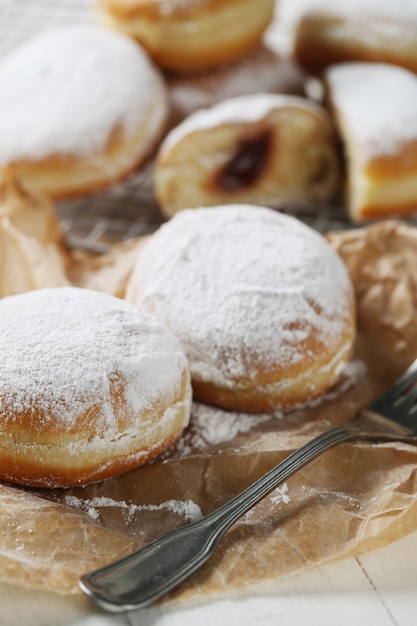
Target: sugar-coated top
{"x": 242, "y": 109}
{"x": 376, "y": 103}
{"x": 64, "y": 350}
{"x": 63, "y": 92}
{"x": 242, "y": 286}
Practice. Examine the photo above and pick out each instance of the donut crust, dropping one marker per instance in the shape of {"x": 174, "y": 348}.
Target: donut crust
{"x": 322, "y": 39}
{"x": 278, "y": 389}
{"x": 190, "y": 34}
{"x": 62, "y": 177}
{"x": 47, "y": 459}
{"x": 101, "y": 389}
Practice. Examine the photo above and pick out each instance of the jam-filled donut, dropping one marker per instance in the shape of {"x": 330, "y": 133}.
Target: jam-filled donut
{"x": 262, "y": 70}
{"x": 190, "y": 34}
{"x": 263, "y": 149}
{"x": 90, "y": 387}
{"x": 358, "y": 30}
{"x": 81, "y": 108}
{"x": 261, "y": 304}
{"x": 374, "y": 108}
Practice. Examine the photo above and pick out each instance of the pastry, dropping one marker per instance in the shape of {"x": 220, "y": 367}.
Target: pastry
{"x": 90, "y": 387}
{"x": 190, "y": 34}
{"x": 260, "y": 302}
{"x": 374, "y": 108}
{"x": 358, "y": 30}
{"x": 81, "y": 108}
{"x": 261, "y": 70}
{"x": 262, "y": 149}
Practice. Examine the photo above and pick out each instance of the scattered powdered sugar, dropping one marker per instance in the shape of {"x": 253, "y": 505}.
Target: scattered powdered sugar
{"x": 211, "y": 426}
{"x": 277, "y": 497}
{"x": 242, "y": 109}
{"x": 280, "y": 494}
{"x": 187, "y": 509}
{"x": 242, "y": 286}
{"x": 66, "y": 350}
{"x": 376, "y": 104}
{"x": 65, "y": 90}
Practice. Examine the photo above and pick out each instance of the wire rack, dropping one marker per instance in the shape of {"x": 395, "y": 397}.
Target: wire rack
{"x": 128, "y": 209}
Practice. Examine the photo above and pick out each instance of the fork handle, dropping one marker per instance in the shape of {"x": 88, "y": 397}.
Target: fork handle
{"x": 147, "y": 574}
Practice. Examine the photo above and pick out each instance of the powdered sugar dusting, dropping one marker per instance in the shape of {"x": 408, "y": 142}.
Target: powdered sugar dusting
{"x": 376, "y": 104}
{"x": 210, "y": 426}
{"x": 242, "y": 285}
{"x": 65, "y": 90}
{"x": 187, "y": 509}
{"x": 280, "y": 494}
{"x": 64, "y": 351}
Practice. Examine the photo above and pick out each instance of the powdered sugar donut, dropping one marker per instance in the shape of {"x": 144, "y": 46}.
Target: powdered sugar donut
{"x": 379, "y": 134}
{"x": 190, "y": 34}
{"x": 262, "y": 70}
{"x": 81, "y": 107}
{"x": 261, "y": 304}
{"x": 358, "y": 30}
{"x": 90, "y": 387}
{"x": 262, "y": 148}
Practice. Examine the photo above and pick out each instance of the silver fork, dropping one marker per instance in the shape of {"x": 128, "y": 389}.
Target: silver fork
{"x": 144, "y": 576}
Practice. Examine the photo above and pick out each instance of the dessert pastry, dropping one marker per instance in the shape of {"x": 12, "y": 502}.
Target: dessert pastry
{"x": 260, "y": 302}
{"x": 33, "y": 252}
{"x": 358, "y": 30}
{"x": 90, "y": 387}
{"x": 81, "y": 108}
{"x": 190, "y": 34}
{"x": 263, "y": 149}
{"x": 262, "y": 70}
{"x": 373, "y": 105}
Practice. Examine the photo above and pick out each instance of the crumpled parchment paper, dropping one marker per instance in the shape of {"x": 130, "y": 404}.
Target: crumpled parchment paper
{"x": 356, "y": 497}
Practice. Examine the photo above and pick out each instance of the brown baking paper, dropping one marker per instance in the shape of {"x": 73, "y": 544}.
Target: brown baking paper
{"x": 33, "y": 253}
{"x": 354, "y": 498}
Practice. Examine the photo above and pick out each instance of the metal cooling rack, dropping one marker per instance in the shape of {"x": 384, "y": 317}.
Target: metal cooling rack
{"x": 126, "y": 210}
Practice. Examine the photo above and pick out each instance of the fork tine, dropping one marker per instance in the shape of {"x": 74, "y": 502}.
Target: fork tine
{"x": 408, "y": 399}
{"x": 405, "y": 381}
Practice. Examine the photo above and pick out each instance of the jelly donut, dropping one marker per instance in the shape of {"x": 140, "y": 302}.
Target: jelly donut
{"x": 189, "y": 34}
{"x": 81, "y": 108}
{"x": 262, "y": 70}
{"x": 260, "y": 302}
{"x": 358, "y": 30}
{"x": 374, "y": 108}
{"x": 90, "y": 387}
{"x": 263, "y": 149}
